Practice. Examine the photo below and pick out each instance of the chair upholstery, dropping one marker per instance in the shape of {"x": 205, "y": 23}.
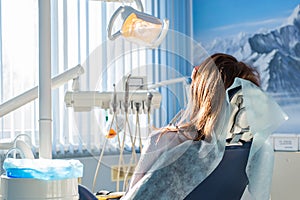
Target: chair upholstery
{"x": 229, "y": 180}
{"x": 85, "y": 193}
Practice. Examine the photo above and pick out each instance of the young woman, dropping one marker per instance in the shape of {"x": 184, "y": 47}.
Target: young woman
{"x": 180, "y": 156}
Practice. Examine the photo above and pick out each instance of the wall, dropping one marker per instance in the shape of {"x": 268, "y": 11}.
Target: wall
{"x": 104, "y": 178}
{"x": 286, "y": 176}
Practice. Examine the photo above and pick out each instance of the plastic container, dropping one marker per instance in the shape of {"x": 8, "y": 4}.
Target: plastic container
{"x": 43, "y": 169}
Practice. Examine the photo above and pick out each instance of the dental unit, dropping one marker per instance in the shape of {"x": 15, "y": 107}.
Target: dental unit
{"x": 46, "y": 177}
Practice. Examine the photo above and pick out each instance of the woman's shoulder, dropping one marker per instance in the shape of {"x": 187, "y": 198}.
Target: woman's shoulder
{"x": 161, "y": 136}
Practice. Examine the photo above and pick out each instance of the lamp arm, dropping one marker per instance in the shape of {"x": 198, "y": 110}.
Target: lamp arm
{"x": 183, "y": 80}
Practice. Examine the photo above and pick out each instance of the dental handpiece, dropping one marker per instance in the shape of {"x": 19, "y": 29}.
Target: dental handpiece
{"x": 148, "y": 103}
{"x": 126, "y": 104}
{"x": 114, "y": 103}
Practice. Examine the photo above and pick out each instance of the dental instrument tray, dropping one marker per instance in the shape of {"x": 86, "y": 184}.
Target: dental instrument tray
{"x": 86, "y": 100}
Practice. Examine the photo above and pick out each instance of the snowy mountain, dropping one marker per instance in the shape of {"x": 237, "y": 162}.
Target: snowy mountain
{"x": 275, "y": 54}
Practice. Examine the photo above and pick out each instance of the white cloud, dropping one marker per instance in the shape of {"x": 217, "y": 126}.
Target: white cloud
{"x": 256, "y": 24}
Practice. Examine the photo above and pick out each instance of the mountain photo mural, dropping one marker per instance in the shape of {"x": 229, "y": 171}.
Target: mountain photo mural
{"x": 271, "y": 44}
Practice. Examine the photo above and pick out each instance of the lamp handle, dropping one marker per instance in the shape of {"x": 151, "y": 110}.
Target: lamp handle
{"x": 114, "y": 17}
{"x": 139, "y": 5}
{"x": 112, "y": 21}
{"x": 162, "y": 34}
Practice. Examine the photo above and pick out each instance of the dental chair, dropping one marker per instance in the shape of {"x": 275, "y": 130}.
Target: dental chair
{"x": 229, "y": 180}
{"x": 86, "y": 194}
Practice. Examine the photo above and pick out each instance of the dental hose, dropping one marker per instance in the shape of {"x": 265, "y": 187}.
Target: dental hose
{"x": 137, "y": 105}
{"x": 121, "y": 161}
{"x": 133, "y": 159}
{"x": 101, "y": 156}
{"x": 114, "y": 107}
{"x": 138, "y": 126}
{"x": 149, "y": 100}
{"x": 126, "y": 105}
{"x": 133, "y": 154}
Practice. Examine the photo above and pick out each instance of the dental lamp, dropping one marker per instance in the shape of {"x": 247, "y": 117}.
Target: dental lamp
{"x": 138, "y": 27}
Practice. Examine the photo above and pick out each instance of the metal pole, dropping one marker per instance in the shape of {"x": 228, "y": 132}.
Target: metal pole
{"x": 45, "y": 119}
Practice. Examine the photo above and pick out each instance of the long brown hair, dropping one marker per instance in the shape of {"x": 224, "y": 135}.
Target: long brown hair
{"x": 207, "y": 92}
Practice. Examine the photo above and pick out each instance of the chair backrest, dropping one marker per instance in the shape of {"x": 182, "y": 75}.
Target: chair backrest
{"x": 85, "y": 193}
{"x": 229, "y": 180}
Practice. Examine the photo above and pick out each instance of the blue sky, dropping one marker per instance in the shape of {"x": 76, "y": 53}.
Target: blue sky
{"x": 221, "y": 18}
